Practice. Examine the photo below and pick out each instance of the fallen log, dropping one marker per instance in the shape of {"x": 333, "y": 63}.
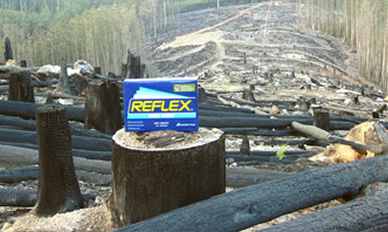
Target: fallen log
{"x": 87, "y": 154}
{"x": 18, "y": 122}
{"x": 294, "y": 154}
{"x": 13, "y": 175}
{"x": 78, "y": 142}
{"x": 368, "y": 213}
{"x": 31, "y": 125}
{"x": 17, "y": 197}
{"x": 11, "y": 156}
{"x": 27, "y": 110}
{"x": 26, "y": 197}
{"x": 241, "y": 177}
{"x": 245, "y": 207}
{"x": 218, "y": 122}
{"x": 261, "y": 159}
{"x": 329, "y": 138}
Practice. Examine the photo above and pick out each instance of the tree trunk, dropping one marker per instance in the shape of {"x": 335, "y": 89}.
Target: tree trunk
{"x": 58, "y": 189}
{"x": 8, "y": 55}
{"x": 20, "y": 88}
{"x": 78, "y": 142}
{"x": 64, "y": 85}
{"x": 246, "y": 207}
{"x": 368, "y": 213}
{"x": 102, "y": 107}
{"x": 149, "y": 182}
{"x": 27, "y": 110}
{"x": 322, "y": 119}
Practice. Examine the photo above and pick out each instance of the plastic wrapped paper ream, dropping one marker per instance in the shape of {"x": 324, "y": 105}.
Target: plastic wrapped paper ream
{"x": 161, "y": 104}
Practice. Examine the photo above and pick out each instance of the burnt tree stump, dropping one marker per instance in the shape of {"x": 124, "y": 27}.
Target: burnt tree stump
{"x": 322, "y": 119}
{"x": 148, "y": 181}
{"x": 102, "y": 107}
{"x": 58, "y": 189}
{"x": 20, "y": 87}
{"x": 8, "y": 55}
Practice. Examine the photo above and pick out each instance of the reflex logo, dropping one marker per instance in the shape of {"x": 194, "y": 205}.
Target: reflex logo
{"x": 161, "y": 104}
{"x": 147, "y": 101}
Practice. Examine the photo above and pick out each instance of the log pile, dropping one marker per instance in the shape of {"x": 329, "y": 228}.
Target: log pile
{"x": 235, "y": 117}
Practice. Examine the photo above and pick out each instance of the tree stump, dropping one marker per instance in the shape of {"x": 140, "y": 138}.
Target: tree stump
{"x": 20, "y": 87}
{"x": 8, "y": 55}
{"x": 102, "y": 107}
{"x": 322, "y": 119}
{"x": 58, "y": 189}
{"x": 148, "y": 181}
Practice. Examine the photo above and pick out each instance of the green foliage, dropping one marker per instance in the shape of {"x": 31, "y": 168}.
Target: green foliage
{"x": 363, "y": 24}
{"x": 280, "y": 154}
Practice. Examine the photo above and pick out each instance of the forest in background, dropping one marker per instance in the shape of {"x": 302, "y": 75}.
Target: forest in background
{"x": 363, "y": 24}
{"x": 98, "y": 31}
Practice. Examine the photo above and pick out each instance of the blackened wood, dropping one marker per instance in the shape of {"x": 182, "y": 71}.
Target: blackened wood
{"x": 18, "y": 122}
{"x": 78, "y": 142}
{"x": 58, "y": 189}
{"x": 97, "y": 70}
{"x": 248, "y": 95}
{"x": 102, "y": 107}
{"x": 244, "y": 147}
{"x": 249, "y": 206}
{"x": 322, "y": 119}
{"x": 25, "y": 197}
{"x": 8, "y": 54}
{"x": 13, "y": 175}
{"x": 64, "y": 85}
{"x": 369, "y": 213}
{"x": 17, "y": 197}
{"x": 146, "y": 183}
{"x": 206, "y": 121}
{"x": 27, "y": 110}
{"x": 11, "y": 155}
{"x": 201, "y": 95}
{"x": 31, "y": 125}
{"x": 20, "y": 88}
{"x": 23, "y": 63}
{"x": 241, "y": 177}
{"x": 325, "y": 136}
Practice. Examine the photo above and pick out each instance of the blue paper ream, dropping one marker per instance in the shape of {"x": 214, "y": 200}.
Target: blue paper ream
{"x": 160, "y": 104}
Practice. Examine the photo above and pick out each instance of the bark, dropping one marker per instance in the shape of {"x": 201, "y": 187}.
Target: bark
{"x": 246, "y": 207}
{"x": 64, "y": 85}
{"x": 368, "y": 213}
{"x": 20, "y": 87}
{"x": 327, "y": 137}
{"x": 8, "y": 54}
{"x": 17, "y": 197}
{"x": 206, "y": 121}
{"x": 147, "y": 183}
{"x": 58, "y": 189}
{"x": 25, "y": 197}
{"x": 102, "y": 107}
{"x": 27, "y": 110}
{"x": 238, "y": 177}
{"x": 18, "y": 174}
{"x": 78, "y": 142}
{"x": 322, "y": 119}
{"x": 12, "y": 156}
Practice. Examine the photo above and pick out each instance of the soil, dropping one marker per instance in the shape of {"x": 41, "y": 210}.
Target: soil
{"x": 259, "y": 45}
